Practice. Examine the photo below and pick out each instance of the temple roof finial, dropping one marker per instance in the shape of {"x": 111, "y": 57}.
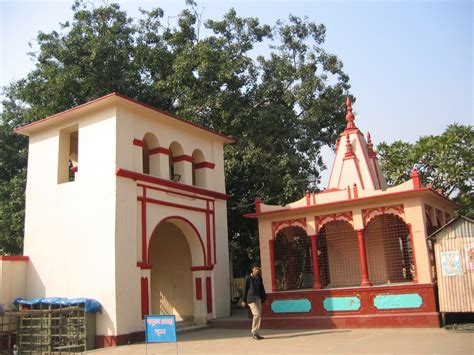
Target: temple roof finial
{"x": 370, "y": 146}
{"x": 349, "y": 114}
{"x": 349, "y": 152}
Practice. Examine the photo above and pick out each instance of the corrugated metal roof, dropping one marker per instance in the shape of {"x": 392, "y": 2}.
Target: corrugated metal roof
{"x": 433, "y": 235}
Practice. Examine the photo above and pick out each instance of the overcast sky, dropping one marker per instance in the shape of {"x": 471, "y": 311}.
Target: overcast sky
{"x": 410, "y": 62}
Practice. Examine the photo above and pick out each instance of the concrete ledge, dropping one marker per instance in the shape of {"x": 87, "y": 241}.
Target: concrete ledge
{"x": 399, "y": 320}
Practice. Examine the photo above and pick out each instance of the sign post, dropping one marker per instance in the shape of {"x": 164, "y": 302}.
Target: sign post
{"x": 160, "y": 329}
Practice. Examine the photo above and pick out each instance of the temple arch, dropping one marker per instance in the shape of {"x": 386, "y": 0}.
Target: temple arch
{"x": 339, "y": 257}
{"x": 293, "y": 259}
{"x": 175, "y": 247}
{"x": 389, "y": 250}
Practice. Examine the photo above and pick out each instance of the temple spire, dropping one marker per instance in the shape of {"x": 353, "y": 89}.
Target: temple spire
{"x": 349, "y": 115}
{"x": 349, "y": 152}
{"x": 370, "y": 146}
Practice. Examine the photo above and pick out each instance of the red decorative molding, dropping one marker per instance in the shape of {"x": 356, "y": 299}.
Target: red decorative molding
{"x": 144, "y": 266}
{"x": 278, "y": 226}
{"x": 159, "y": 150}
{"x": 138, "y": 142}
{"x": 415, "y": 177}
{"x": 202, "y": 268}
{"x": 168, "y": 183}
{"x": 209, "y": 294}
{"x": 314, "y": 253}
{"x": 145, "y": 301}
{"x": 347, "y": 202}
{"x": 208, "y": 234}
{"x": 258, "y": 205}
{"x": 214, "y": 230}
{"x": 175, "y": 192}
{"x": 198, "y": 288}
{"x": 359, "y": 139}
{"x": 370, "y": 147}
{"x": 14, "y": 257}
{"x": 363, "y": 259}
{"x": 104, "y": 341}
{"x": 204, "y": 165}
{"x": 370, "y": 213}
{"x": 183, "y": 158}
{"x": 356, "y": 191}
{"x": 25, "y": 128}
{"x": 143, "y": 221}
{"x": 320, "y": 221}
{"x": 191, "y": 225}
{"x": 271, "y": 244}
{"x": 171, "y": 204}
{"x": 349, "y": 152}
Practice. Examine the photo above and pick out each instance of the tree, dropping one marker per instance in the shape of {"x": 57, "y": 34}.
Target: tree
{"x": 282, "y": 107}
{"x": 445, "y": 162}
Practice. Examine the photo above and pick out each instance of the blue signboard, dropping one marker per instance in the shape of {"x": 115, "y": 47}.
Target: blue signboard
{"x": 160, "y": 329}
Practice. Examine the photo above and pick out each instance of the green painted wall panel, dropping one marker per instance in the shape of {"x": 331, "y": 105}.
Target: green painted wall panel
{"x": 410, "y": 300}
{"x": 332, "y": 304}
{"x": 291, "y": 306}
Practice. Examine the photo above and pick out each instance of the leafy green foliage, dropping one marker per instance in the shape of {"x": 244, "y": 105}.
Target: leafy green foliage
{"x": 445, "y": 162}
{"x": 282, "y": 107}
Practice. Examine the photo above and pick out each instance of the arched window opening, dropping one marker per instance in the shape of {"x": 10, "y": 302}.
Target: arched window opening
{"x": 176, "y": 167}
{"x": 68, "y": 162}
{"x": 150, "y": 158}
{"x": 389, "y": 250}
{"x": 146, "y": 158}
{"x": 293, "y": 260}
{"x": 199, "y": 173}
{"x": 338, "y": 255}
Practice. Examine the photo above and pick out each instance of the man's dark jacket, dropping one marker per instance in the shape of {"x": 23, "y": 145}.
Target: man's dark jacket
{"x": 253, "y": 289}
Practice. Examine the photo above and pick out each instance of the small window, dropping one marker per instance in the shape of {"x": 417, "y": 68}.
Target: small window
{"x": 177, "y": 172}
{"x": 146, "y": 158}
{"x": 150, "y": 158}
{"x": 199, "y": 171}
{"x": 68, "y": 160}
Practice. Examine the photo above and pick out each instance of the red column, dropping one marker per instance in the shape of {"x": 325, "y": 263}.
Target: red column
{"x": 143, "y": 206}
{"x": 314, "y": 252}
{"x": 363, "y": 259}
{"x": 198, "y": 288}
{"x": 209, "y": 294}
{"x": 415, "y": 272}
{"x": 145, "y": 301}
{"x": 271, "y": 244}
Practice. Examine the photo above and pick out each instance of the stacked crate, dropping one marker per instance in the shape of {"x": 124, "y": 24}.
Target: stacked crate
{"x": 51, "y": 329}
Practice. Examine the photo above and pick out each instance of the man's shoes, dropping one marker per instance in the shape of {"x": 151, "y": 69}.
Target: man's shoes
{"x": 257, "y": 336}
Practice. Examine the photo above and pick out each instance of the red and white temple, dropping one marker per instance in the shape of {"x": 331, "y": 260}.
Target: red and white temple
{"x": 355, "y": 254}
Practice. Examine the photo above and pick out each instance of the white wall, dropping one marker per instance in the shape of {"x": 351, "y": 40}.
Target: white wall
{"x": 12, "y": 280}
{"x": 133, "y": 123}
{"x": 84, "y": 237}
{"x": 70, "y": 227}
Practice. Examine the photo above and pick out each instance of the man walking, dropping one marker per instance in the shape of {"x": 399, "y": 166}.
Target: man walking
{"x": 254, "y": 296}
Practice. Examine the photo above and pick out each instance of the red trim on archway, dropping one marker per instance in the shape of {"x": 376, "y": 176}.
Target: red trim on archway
{"x": 145, "y": 300}
{"x": 182, "y": 219}
{"x": 209, "y": 294}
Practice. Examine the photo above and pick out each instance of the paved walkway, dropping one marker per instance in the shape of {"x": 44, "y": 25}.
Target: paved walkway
{"x": 288, "y": 342}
